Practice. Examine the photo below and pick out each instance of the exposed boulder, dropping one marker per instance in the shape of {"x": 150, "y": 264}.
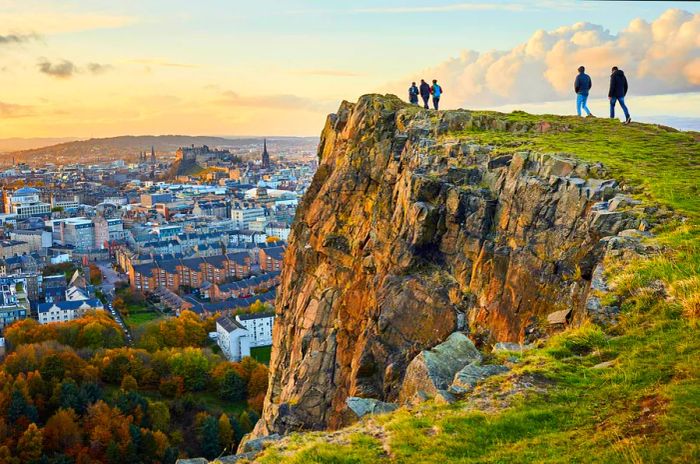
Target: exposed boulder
{"x": 505, "y": 347}
{"x": 473, "y": 374}
{"x": 433, "y": 370}
{"x": 363, "y": 406}
{"x": 255, "y": 445}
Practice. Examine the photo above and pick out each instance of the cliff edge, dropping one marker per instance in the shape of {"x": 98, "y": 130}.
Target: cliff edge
{"x": 416, "y": 227}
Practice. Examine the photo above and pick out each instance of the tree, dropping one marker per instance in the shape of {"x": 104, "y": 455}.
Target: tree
{"x": 244, "y": 421}
{"x": 225, "y": 431}
{"x": 159, "y": 415}
{"x": 62, "y": 431}
{"x": 209, "y": 440}
{"x": 232, "y": 387}
{"x": 129, "y": 383}
{"x": 30, "y": 444}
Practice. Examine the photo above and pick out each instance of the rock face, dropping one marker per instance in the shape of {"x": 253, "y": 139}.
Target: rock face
{"x": 410, "y": 232}
{"x": 364, "y": 406}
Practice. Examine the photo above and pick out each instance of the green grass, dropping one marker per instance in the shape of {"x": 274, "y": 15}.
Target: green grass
{"x": 261, "y": 354}
{"x": 646, "y": 406}
{"x": 139, "y": 316}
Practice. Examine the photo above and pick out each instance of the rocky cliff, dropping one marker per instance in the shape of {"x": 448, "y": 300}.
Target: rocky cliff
{"x": 411, "y": 231}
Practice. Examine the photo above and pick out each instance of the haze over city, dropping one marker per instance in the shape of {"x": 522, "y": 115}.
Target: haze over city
{"x": 97, "y": 68}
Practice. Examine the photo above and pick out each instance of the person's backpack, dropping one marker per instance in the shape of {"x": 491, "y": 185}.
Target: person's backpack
{"x": 437, "y": 90}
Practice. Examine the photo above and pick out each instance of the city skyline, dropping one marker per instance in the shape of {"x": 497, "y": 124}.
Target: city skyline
{"x": 95, "y": 69}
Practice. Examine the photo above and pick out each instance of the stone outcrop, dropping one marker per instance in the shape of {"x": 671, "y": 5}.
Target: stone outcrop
{"x": 409, "y": 232}
{"x": 364, "y": 406}
{"x": 431, "y": 372}
{"x": 473, "y": 374}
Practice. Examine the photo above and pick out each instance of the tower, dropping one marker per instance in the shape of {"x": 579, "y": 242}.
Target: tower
{"x": 265, "y": 156}
{"x": 153, "y": 155}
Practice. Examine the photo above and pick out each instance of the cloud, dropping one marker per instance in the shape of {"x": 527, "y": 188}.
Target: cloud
{"x": 11, "y": 110}
{"x": 658, "y": 57}
{"x": 63, "y": 69}
{"x": 17, "y": 38}
{"x": 97, "y": 68}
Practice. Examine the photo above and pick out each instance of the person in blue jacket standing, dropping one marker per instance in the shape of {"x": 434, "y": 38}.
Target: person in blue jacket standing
{"x": 413, "y": 94}
{"x": 424, "y": 93}
{"x": 436, "y": 91}
{"x": 617, "y": 92}
{"x": 582, "y": 85}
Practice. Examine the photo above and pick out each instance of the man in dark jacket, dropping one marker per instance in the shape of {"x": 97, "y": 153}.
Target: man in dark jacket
{"x": 425, "y": 93}
{"x": 413, "y": 94}
{"x": 582, "y": 85}
{"x": 617, "y": 92}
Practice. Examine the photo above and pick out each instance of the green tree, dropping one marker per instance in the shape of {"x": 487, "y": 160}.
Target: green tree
{"x": 159, "y": 415}
{"x": 232, "y": 387}
{"x": 209, "y": 441}
{"x": 129, "y": 383}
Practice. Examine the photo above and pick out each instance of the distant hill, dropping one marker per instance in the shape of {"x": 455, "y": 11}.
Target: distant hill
{"x": 124, "y": 147}
{"x": 13, "y": 144}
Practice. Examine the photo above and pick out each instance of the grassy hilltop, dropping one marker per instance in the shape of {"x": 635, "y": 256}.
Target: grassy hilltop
{"x": 641, "y": 405}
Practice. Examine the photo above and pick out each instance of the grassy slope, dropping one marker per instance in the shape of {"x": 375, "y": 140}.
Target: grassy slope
{"x": 645, "y": 408}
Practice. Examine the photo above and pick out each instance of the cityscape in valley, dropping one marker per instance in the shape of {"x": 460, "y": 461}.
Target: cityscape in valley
{"x": 368, "y": 232}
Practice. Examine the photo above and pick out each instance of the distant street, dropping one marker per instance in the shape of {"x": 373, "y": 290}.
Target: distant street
{"x": 110, "y": 278}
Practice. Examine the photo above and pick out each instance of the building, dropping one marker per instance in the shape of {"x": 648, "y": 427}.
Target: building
{"x": 265, "y": 156}
{"x": 241, "y": 288}
{"x": 280, "y": 230}
{"x": 213, "y": 208}
{"x": 271, "y": 258}
{"x": 38, "y": 240}
{"x": 63, "y": 311}
{"x": 244, "y": 215}
{"x": 149, "y": 200}
{"x": 14, "y": 305}
{"x": 25, "y": 202}
{"x": 9, "y": 248}
{"x": 232, "y": 338}
{"x": 259, "y": 328}
{"x": 78, "y": 232}
{"x": 173, "y": 273}
{"x": 108, "y": 230}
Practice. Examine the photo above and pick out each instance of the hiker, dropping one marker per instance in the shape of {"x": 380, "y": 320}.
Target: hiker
{"x": 617, "y": 92}
{"x": 413, "y": 94}
{"x": 582, "y": 85}
{"x": 425, "y": 93}
{"x": 436, "y": 90}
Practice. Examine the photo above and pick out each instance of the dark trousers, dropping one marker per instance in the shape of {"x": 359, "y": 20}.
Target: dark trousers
{"x": 436, "y": 102}
{"x": 426, "y": 99}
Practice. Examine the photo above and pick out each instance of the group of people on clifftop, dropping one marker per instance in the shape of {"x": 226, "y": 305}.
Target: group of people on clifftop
{"x": 616, "y": 92}
{"x": 582, "y": 87}
{"x": 425, "y": 91}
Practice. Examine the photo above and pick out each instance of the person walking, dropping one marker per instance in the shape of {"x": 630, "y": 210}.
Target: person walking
{"x": 413, "y": 94}
{"x": 436, "y": 90}
{"x": 425, "y": 93}
{"x": 582, "y": 85}
{"x": 617, "y": 92}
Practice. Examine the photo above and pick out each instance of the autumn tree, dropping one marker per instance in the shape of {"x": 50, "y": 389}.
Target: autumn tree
{"x": 30, "y": 444}
{"x": 129, "y": 383}
{"x": 225, "y": 432}
{"x": 62, "y": 431}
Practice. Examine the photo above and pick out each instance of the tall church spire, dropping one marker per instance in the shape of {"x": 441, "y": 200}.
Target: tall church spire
{"x": 265, "y": 156}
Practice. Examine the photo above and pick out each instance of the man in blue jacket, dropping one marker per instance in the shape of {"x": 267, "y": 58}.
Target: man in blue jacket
{"x": 425, "y": 93}
{"x": 436, "y": 90}
{"x": 617, "y": 92}
{"x": 582, "y": 85}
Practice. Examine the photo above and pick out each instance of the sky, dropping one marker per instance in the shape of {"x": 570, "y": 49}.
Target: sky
{"x": 97, "y": 68}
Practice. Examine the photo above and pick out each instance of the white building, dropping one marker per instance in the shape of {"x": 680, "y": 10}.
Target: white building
{"x": 232, "y": 338}
{"x": 278, "y": 229}
{"x": 259, "y": 327}
{"x": 25, "y": 202}
{"x": 37, "y": 239}
{"x": 63, "y": 311}
{"x": 78, "y": 232}
{"x": 244, "y": 215}
{"x": 107, "y": 230}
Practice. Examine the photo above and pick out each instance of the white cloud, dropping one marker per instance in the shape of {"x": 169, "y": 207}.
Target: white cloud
{"x": 660, "y": 57}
